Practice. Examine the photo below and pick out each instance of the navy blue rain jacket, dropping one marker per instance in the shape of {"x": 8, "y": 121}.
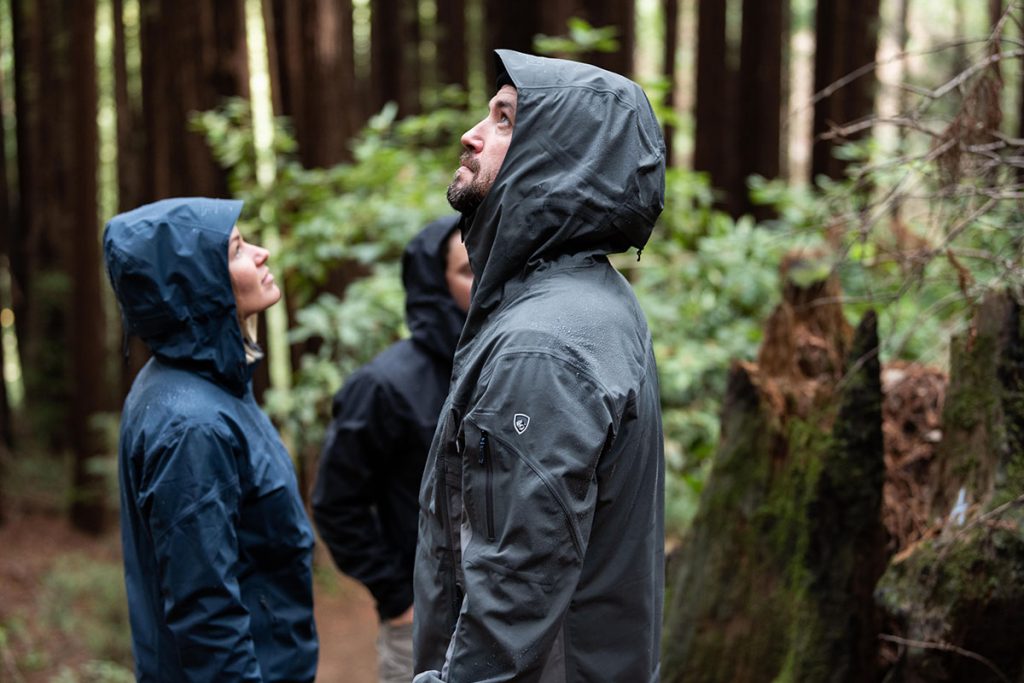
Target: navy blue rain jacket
{"x": 217, "y": 545}
{"x": 365, "y": 501}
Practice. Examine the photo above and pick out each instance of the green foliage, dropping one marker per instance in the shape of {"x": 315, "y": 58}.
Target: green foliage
{"x": 85, "y": 599}
{"x": 349, "y": 332}
{"x": 581, "y": 39}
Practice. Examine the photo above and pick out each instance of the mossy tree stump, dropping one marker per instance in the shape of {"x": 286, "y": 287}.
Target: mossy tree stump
{"x": 774, "y": 580}
{"x": 956, "y": 600}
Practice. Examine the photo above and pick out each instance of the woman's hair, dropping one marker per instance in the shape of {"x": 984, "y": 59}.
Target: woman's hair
{"x": 253, "y": 352}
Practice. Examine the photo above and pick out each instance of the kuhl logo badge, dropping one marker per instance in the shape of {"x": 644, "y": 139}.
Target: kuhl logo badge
{"x": 520, "y": 422}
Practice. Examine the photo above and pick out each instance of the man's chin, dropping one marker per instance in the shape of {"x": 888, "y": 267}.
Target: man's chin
{"x": 463, "y": 197}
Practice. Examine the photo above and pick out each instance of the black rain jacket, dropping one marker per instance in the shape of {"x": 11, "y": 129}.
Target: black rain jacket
{"x": 540, "y": 553}
{"x": 364, "y": 502}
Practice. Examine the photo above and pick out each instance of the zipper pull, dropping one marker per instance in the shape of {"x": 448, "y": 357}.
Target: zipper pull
{"x": 483, "y": 447}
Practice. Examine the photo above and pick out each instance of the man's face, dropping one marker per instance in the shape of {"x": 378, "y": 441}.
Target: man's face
{"x": 484, "y": 148}
{"x": 457, "y": 271}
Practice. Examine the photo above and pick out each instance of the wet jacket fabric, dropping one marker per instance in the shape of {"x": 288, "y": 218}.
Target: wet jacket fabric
{"x": 540, "y": 552}
{"x": 365, "y": 499}
{"x": 217, "y": 545}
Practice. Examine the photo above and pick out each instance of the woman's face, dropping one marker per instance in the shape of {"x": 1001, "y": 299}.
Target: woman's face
{"x": 254, "y": 286}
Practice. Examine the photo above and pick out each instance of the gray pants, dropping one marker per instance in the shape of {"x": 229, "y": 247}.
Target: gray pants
{"x": 394, "y": 653}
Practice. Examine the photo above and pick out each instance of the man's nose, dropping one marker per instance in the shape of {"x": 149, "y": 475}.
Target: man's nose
{"x": 472, "y": 140}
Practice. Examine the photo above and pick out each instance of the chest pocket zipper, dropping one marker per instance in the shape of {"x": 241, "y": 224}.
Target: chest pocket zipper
{"x": 484, "y": 460}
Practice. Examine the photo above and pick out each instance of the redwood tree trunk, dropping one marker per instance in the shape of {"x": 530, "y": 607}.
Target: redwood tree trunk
{"x": 394, "y": 46}
{"x": 313, "y": 76}
{"x": 86, "y": 315}
{"x": 511, "y": 26}
{"x": 670, "y": 10}
{"x": 42, "y": 60}
{"x": 760, "y": 98}
{"x": 622, "y": 15}
{"x": 130, "y": 143}
{"x": 713, "y": 117}
{"x": 846, "y": 40}
{"x": 208, "y": 42}
{"x": 452, "y": 67}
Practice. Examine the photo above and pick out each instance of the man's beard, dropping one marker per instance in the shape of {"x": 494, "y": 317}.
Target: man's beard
{"x": 466, "y": 198}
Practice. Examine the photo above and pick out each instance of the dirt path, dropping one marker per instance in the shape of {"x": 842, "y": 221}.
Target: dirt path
{"x": 33, "y": 650}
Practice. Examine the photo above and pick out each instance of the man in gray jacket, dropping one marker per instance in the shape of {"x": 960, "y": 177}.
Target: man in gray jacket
{"x": 540, "y": 554}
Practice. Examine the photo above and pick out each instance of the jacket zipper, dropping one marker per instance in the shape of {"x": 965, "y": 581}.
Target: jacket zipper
{"x": 488, "y": 491}
{"x": 573, "y": 535}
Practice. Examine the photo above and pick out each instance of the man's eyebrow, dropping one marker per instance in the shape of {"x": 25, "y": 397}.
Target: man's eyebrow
{"x": 505, "y": 103}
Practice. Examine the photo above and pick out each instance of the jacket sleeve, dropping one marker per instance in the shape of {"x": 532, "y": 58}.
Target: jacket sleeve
{"x": 529, "y": 491}
{"x": 363, "y": 434}
{"x": 190, "y": 501}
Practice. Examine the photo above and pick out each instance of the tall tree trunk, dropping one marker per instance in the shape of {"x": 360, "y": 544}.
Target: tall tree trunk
{"x": 555, "y": 15}
{"x": 713, "y": 118}
{"x": 211, "y": 63}
{"x": 670, "y": 9}
{"x": 41, "y": 285}
{"x": 394, "y": 48}
{"x": 760, "y": 102}
{"x": 6, "y": 435}
{"x": 313, "y": 75}
{"x": 511, "y": 26}
{"x": 452, "y": 67}
{"x": 6, "y": 221}
{"x": 622, "y": 15}
{"x": 87, "y": 509}
{"x": 130, "y": 142}
{"x": 846, "y": 41}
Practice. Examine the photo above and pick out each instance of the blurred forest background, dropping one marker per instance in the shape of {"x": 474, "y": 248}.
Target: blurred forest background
{"x": 830, "y": 160}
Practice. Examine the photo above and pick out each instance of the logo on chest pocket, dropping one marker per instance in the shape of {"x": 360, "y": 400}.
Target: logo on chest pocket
{"x": 520, "y": 422}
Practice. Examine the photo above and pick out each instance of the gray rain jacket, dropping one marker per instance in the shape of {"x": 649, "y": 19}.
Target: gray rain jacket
{"x": 540, "y": 553}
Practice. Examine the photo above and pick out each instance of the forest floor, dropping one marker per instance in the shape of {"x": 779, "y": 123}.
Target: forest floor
{"x": 62, "y": 616}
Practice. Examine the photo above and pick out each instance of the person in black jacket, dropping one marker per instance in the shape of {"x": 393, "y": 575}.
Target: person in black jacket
{"x": 541, "y": 542}
{"x": 364, "y": 501}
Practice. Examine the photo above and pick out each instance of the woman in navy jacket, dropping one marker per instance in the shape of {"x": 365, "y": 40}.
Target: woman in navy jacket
{"x": 217, "y": 545}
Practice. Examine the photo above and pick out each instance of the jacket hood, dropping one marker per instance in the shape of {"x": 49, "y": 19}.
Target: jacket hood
{"x": 168, "y": 265}
{"x": 434, "y": 319}
{"x": 584, "y": 174}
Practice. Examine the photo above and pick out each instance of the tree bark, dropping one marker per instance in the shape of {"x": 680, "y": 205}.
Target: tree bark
{"x": 511, "y": 26}
{"x": 760, "y": 102}
{"x": 313, "y": 76}
{"x": 775, "y": 577}
{"x": 622, "y": 15}
{"x": 713, "y": 117}
{"x": 87, "y": 348}
{"x": 670, "y": 9}
{"x": 130, "y": 143}
{"x": 6, "y": 221}
{"x": 452, "y": 67}
{"x": 963, "y": 588}
{"x": 208, "y": 40}
{"x": 846, "y": 40}
{"x": 41, "y": 285}
{"x": 394, "y": 48}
